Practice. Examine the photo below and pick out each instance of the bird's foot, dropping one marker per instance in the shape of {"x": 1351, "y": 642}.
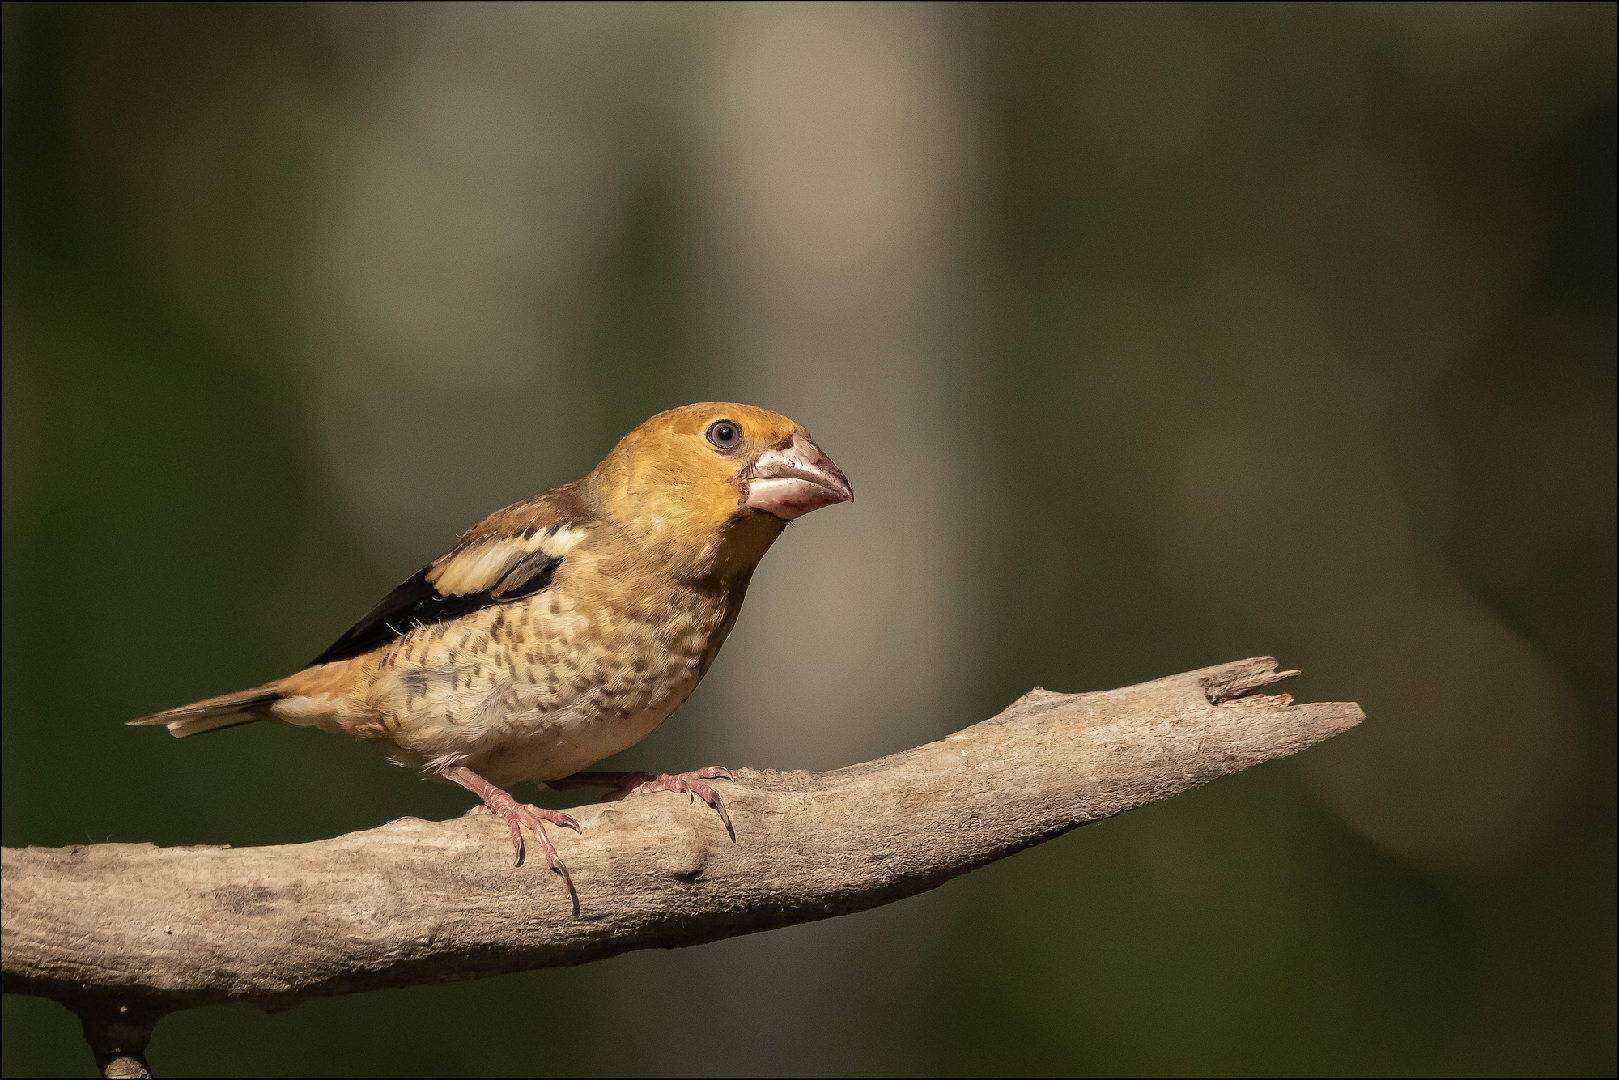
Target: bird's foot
{"x": 515, "y": 814}
{"x": 622, "y": 785}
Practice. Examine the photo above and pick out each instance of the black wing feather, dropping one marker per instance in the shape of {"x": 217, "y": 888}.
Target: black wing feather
{"x": 527, "y": 576}
{"x": 417, "y": 603}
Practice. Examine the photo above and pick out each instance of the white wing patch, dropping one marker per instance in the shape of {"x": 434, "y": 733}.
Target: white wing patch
{"x": 560, "y": 542}
{"x": 475, "y": 569}
{"x": 480, "y": 567}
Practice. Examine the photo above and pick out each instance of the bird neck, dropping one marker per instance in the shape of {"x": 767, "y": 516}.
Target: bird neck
{"x": 711, "y": 556}
{"x": 693, "y": 540}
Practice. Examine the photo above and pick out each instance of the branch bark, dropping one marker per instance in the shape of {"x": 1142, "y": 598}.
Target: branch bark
{"x": 124, "y": 933}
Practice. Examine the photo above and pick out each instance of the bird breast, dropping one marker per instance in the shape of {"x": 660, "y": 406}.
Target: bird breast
{"x": 539, "y": 688}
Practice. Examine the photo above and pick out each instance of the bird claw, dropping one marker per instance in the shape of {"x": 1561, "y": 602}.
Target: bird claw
{"x": 515, "y": 815}
{"x": 689, "y": 784}
{"x": 535, "y": 818}
{"x": 621, "y": 785}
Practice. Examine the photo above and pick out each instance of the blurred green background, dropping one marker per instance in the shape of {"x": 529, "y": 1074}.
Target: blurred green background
{"x": 1151, "y": 336}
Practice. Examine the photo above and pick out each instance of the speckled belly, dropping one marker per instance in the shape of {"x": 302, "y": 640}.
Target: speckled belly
{"x": 535, "y": 690}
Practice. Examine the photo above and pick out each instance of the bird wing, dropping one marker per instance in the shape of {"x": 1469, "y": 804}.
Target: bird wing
{"x": 511, "y": 554}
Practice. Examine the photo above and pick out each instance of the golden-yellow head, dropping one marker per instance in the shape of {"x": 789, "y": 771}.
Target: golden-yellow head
{"x": 710, "y": 486}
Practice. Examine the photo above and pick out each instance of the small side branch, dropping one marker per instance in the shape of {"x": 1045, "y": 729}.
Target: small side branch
{"x": 123, "y": 933}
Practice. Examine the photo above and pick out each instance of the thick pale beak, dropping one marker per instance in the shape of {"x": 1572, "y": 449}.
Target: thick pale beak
{"x": 795, "y": 480}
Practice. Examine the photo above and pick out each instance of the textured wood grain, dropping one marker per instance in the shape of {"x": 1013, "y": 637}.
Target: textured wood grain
{"x": 147, "y": 930}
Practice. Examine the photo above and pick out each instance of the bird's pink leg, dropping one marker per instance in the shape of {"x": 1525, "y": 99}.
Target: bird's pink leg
{"x": 516, "y": 814}
{"x": 622, "y": 785}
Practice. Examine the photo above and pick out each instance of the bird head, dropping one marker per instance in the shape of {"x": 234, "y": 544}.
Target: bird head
{"x": 709, "y": 487}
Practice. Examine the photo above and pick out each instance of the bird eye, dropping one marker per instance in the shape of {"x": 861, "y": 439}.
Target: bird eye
{"x": 724, "y": 434}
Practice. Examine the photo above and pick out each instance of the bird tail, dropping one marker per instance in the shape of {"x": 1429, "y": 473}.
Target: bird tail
{"x": 211, "y": 714}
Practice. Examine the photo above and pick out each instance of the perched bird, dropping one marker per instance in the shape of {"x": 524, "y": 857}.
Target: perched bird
{"x": 566, "y": 627}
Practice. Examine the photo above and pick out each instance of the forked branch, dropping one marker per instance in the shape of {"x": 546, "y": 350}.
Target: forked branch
{"x": 123, "y": 933}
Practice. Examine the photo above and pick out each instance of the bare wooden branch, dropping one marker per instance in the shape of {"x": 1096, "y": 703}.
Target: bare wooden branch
{"x": 124, "y": 933}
